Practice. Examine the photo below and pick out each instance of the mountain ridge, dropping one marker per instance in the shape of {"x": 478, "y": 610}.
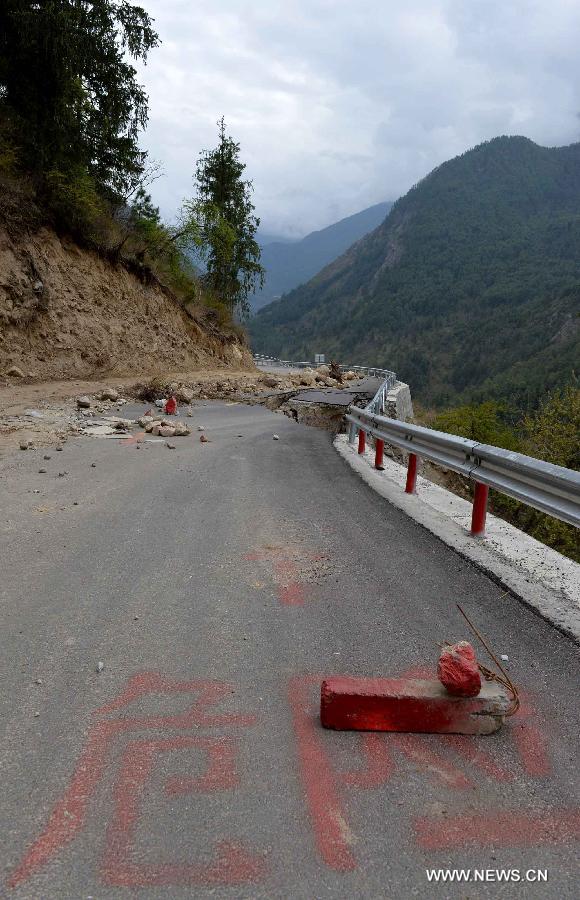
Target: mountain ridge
{"x": 291, "y": 263}
{"x": 470, "y": 288}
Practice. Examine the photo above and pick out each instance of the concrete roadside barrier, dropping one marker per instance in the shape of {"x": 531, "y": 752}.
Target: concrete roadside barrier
{"x": 411, "y": 705}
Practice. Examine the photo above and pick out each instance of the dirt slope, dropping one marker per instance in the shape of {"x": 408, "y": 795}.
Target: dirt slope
{"x": 67, "y": 313}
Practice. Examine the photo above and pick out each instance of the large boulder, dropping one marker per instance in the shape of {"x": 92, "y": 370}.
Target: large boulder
{"x": 109, "y": 394}
{"x": 184, "y": 394}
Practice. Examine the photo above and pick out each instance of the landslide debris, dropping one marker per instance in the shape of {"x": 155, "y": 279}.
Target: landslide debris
{"x": 66, "y": 312}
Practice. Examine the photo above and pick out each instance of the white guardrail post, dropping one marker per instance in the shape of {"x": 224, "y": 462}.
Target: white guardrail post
{"x": 551, "y": 489}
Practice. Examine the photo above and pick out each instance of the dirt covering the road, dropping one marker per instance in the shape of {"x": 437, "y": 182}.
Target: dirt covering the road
{"x": 47, "y": 413}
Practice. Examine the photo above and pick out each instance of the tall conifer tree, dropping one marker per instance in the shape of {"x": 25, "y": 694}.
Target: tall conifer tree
{"x": 228, "y": 224}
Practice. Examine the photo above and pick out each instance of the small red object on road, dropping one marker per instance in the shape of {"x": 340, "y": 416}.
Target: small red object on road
{"x": 171, "y": 406}
{"x": 458, "y": 670}
{"x": 203, "y": 439}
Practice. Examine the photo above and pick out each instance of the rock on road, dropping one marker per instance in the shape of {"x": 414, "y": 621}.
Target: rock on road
{"x": 217, "y": 583}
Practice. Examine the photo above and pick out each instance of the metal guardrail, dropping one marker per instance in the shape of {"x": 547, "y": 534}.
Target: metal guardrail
{"x": 285, "y": 363}
{"x": 549, "y": 488}
{"x": 378, "y": 403}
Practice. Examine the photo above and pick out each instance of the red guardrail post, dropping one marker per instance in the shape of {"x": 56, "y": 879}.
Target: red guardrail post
{"x": 411, "y": 486}
{"x": 379, "y": 451}
{"x": 361, "y": 440}
{"x": 479, "y": 509}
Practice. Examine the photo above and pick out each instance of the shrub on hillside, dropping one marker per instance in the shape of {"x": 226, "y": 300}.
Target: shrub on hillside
{"x": 551, "y": 433}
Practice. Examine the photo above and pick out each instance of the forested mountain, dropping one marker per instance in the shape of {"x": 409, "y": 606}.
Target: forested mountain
{"x": 470, "y": 288}
{"x": 289, "y": 264}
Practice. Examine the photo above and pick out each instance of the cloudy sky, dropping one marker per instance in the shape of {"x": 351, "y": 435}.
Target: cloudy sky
{"x": 338, "y": 104}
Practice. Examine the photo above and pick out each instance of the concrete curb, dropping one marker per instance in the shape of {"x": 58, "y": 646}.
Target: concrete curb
{"x": 547, "y": 582}
{"x": 409, "y": 704}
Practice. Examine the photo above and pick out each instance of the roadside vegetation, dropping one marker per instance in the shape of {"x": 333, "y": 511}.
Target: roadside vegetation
{"x": 71, "y": 111}
{"x": 551, "y": 432}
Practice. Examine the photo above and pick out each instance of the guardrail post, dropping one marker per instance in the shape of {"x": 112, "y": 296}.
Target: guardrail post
{"x": 411, "y": 485}
{"x": 379, "y": 451}
{"x": 479, "y": 509}
{"x": 351, "y": 433}
{"x": 361, "y": 440}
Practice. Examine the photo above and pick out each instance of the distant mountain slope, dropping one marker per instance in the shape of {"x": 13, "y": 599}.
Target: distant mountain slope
{"x": 289, "y": 264}
{"x": 267, "y": 237}
{"x": 470, "y": 288}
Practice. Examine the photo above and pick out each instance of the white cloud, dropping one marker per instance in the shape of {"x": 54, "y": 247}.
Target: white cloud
{"x": 338, "y": 105}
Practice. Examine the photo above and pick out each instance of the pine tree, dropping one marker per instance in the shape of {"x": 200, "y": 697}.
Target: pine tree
{"x": 69, "y": 89}
{"x": 227, "y": 224}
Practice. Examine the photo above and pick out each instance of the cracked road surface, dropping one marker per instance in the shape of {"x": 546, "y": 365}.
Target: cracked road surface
{"x": 217, "y": 583}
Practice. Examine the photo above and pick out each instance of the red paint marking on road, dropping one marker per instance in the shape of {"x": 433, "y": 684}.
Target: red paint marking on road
{"x": 469, "y": 749}
{"x": 221, "y": 774}
{"x": 290, "y": 591}
{"x": 324, "y": 805}
{"x": 69, "y": 814}
{"x": 530, "y": 741}
{"x": 232, "y": 864}
{"x": 417, "y": 750}
{"x": 322, "y": 783}
{"x": 499, "y": 828}
{"x": 136, "y": 438}
{"x": 285, "y": 572}
{"x": 378, "y": 764}
{"x": 211, "y": 692}
{"x": 291, "y": 594}
{"x": 137, "y": 686}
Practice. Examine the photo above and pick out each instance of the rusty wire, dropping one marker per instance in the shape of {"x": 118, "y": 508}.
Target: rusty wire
{"x": 489, "y": 674}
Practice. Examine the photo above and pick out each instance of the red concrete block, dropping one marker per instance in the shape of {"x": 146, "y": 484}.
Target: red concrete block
{"x": 408, "y": 704}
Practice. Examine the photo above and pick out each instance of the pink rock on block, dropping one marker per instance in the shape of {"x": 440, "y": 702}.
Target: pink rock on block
{"x": 458, "y": 670}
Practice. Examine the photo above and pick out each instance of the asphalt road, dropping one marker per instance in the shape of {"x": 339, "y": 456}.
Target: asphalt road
{"x": 216, "y": 583}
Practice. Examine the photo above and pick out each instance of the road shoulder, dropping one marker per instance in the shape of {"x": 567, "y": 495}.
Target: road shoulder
{"x": 543, "y": 579}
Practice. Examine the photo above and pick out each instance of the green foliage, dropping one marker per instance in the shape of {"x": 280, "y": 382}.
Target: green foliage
{"x": 71, "y": 109}
{"x": 77, "y": 204}
{"x": 551, "y": 433}
{"x": 470, "y": 290}
{"x": 226, "y": 226}
{"x": 484, "y": 423}
{"x": 69, "y": 89}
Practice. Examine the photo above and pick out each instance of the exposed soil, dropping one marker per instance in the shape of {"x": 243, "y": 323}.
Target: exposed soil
{"x": 66, "y": 313}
